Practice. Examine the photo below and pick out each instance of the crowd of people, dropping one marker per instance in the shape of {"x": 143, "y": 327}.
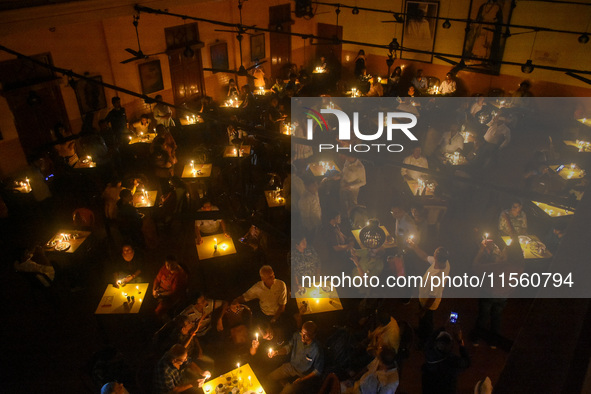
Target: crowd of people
{"x": 195, "y": 333}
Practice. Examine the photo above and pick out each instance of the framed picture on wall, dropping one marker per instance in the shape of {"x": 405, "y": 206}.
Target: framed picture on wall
{"x": 419, "y": 29}
{"x": 219, "y": 56}
{"x": 90, "y": 96}
{"x": 151, "y": 76}
{"x": 257, "y": 47}
{"x": 485, "y": 38}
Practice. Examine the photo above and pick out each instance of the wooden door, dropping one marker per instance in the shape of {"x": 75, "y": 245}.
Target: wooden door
{"x": 280, "y": 44}
{"x": 184, "y": 58}
{"x": 327, "y": 48}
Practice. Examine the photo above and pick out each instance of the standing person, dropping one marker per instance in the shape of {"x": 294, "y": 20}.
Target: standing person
{"x": 359, "y": 63}
{"x": 130, "y": 220}
{"x": 491, "y": 260}
{"x": 306, "y": 361}
{"x": 163, "y": 113}
{"x": 430, "y": 295}
{"x": 169, "y": 286}
{"x": 352, "y": 180}
{"x": 442, "y": 367}
{"x": 117, "y": 118}
{"x": 272, "y": 296}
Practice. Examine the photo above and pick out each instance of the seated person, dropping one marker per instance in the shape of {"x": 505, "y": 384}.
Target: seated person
{"x": 128, "y": 267}
{"x": 381, "y": 376}
{"x": 419, "y": 82}
{"x": 513, "y": 221}
{"x": 452, "y": 141}
{"x": 255, "y": 238}
{"x": 272, "y": 296}
{"x": 208, "y": 226}
{"x": 553, "y": 239}
{"x": 202, "y": 310}
{"x": 175, "y": 373}
{"x": 37, "y": 263}
{"x": 184, "y": 332}
{"x": 306, "y": 361}
{"x": 376, "y": 89}
{"x": 416, "y": 159}
{"x": 169, "y": 286}
{"x": 448, "y": 86}
{"x": 442, "y": 367}
{"x": 144, "y": 125}
{"x": 386, "y": 334}
{"x": 237, "y": 320}
{"x": 405, "y": 225}
{"x": 233, "y": 89}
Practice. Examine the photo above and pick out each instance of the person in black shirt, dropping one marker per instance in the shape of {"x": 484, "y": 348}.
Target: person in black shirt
{"x": 117, "y": 118}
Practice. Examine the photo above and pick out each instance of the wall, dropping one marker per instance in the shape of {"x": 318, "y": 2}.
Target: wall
{"x": 91, "y": 36}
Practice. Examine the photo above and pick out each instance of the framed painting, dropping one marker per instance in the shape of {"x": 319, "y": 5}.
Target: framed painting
{"x": 90, "y": 96}
{"x": 257, "y": 47}
{"x": 419, "y": 29}
{"x": 485, "y": 38}
{"x": 219, "y": 56}
{"x": 151, "y": 76}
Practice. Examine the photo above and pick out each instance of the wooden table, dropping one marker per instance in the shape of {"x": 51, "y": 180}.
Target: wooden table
{"x": 232, "y": 151}
{"x": 242, "y": 377}
{"x": 320, "y": 168}
{"x": 196, "y": 171}
{"x": 207, "y": 251}
{"x": 413, "y": 185}
{"x": 317, "y": 300}
{"x": 273, "y": 202}
{"x": 387, "y": 244}
{"x": 144, "y": 139}
{"x": 582, "y": 146}
{"x": 585, "y": 121}
{"x": 114, "y": 299}
{"x": 74, "y": 243}
{"x": 190, "y": 120}
{"x": 529, "y": 245}
{"x": 147, "y": 200}
{"x": 553, "y": 211}
{"x": 568, "y": 172}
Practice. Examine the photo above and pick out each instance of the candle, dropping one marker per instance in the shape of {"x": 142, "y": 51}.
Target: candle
{"x": 140, "y": 300}
{"x": 261, "y": 390}
{"x": 257, "y": 338}
{"x": 411, "y": 237}
{"x": 28, "y": 183}
{"x": 237, "y": 365}
{"x": 509, "y": 241}
{"x": 207, "y": 389}
{"x": 192, "y": 164}
{"x": 485, "y": 236}
{"x": 249, "y": 382}
{"x": 270, "y": 351}
{"x": 137, "y": 287}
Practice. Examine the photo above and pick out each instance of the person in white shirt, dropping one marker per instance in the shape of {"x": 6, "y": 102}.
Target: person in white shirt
{"x": 429, "y": 294}
{"x": 272, "y": 296}
{"x": 448, "y": 86}
{"x": 452, "y": 141}
{"x": 352, "y": 179}
{"x": 416, "y": 159}
{"x": 498, "y": 134}
{"x": 208, "y": 226}
{"x": 163, "y": 113}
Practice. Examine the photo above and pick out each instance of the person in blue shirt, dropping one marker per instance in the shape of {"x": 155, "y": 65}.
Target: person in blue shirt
{"x": 305, "y": 364}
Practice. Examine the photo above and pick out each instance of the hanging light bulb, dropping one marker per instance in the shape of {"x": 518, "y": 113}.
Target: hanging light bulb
{"x": 528, "y": 67}
{"x": 394, "y": 45}
{"x": 355, "y": 11}
{"x": 372, "y": 236}
{"x": 583, "y": 38}
{"x": 446, "y": 24}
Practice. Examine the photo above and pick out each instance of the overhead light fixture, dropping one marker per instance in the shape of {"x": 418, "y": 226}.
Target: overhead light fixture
{"x": 394, "y": 45}
{"x": 446, "y": 24}
{"x": 355, "y": 11}
{"x": 583, "y": 38}
{"x": 528, "y": 67}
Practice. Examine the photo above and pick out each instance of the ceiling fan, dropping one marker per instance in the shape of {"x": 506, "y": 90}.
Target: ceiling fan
{"x": 137, "y": 55}
{"x": 242, "y": 71}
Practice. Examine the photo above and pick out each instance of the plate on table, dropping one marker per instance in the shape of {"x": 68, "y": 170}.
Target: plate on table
{"x": 62, "y": 246}
{"x": 50, "y": 244}
{"x": 326, "y": 289}
{"x": 301, "y": 292}
{"x": 523, "y": 239}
